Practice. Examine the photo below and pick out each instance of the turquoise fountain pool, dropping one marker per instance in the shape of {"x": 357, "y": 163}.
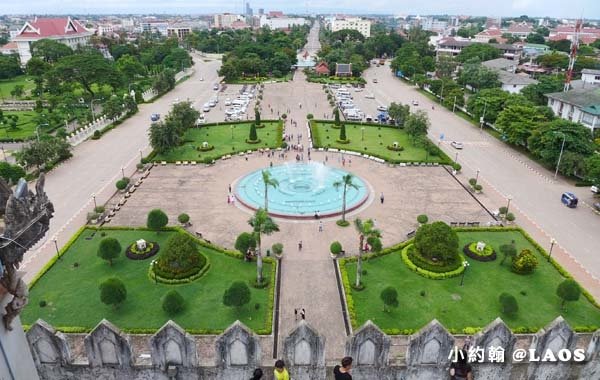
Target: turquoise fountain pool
{"x": 304, "y": 188}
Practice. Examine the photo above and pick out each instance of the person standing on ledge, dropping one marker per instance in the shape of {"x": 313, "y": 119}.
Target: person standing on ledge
{"x": 343, "y": 372}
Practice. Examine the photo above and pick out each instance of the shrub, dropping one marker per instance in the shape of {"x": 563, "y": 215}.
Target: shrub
{"x": 335, "y": 248}
{"x": 99, "y": 209}
{"x": 183, "y": 218}
{"x": 310, "y": 116}
{"x": 277, "y": 248}
{"x": 121, "y": 184}
{"x": 237, "y": 295}
{"x": 173, "y": 302}
{"x": 139, "y": 166}
{"x": 437, "y": 242}
{"x": 96, "y": 135}
{"x": 503, "y": 210}
{"x": 253, "y": 136}
{"x": 478, "y": 187}
{"x": 343, "y": 133}
{"x": 113, "y": 292}
{"x": 157, "y": 219}
{"x": 422, "y": 219}
{"x": 109, "y": 249}
{"x": 389, "y": 296}
{"x": 508, "y": 304}
{"x": 525, "y": 262}
{"x": 342, "y": 223}
{"x": 472, "y": 181}
{"x": 179, "y": 258}
{"x": 429, "y": 265}
{"x": 245, "y": 241}
{"x": 456, "y": 166}
{"x": 508, "y": 251}
{"x": 42, "y": 303}
{"x": 568, "y": 290}
{"x": 510, "y": 217}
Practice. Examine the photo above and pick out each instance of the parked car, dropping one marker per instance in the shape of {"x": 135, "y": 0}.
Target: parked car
{"x": 155, "y": 117}
{"x": 227, "y": 102}
{"x": 456, "y": 145}
{"x": 569, "y": 199}
{"x": 382, "y": 108}
{"x": 415, "y": 102}
{"x": 595, "y": 189}
{"x": 370, "y": 96}
{"x": 216, "y": 87}
{"x": 206, "y": 107}
{"x": 175, "y": 101}
{"x": 374, "y": 80}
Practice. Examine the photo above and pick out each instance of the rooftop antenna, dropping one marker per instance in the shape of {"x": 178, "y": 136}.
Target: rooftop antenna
{"x": 573, "y": 55}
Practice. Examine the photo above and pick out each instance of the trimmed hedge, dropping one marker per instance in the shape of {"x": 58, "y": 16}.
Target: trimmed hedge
{"x": 488, "y": 253}
{"x": 427, "y": 273}
{"x": 151, "y": 250}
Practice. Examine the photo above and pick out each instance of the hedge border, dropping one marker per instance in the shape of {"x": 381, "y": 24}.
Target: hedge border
{"x": 266, "y": 330}
{"x": 429, "y": 274}
{"x": 483, "y": 258}
{"x": 179, "y": 281}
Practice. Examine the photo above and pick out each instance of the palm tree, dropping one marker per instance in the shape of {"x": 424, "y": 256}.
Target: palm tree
{"x": 366, "y": 230}
{"x": 346, "y": 182}
{"x": 262, "y": 224}
{"x": 268, "y": 181}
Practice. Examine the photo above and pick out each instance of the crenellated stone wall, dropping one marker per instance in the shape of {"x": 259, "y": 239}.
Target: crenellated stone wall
{"x": 109, "y": 353}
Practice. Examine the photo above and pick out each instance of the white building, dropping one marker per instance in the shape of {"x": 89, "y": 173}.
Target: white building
{"x": 226, "y": 20}
{"x": 65, "y": 30}
{"x": 281, "y": 22}
{"x": 154, "y": 26}
{"x": 354, "y": 23}
{"x": 590, "y": 76}
{"x": 511, "y": 82}
{"x": 578, "y": 105}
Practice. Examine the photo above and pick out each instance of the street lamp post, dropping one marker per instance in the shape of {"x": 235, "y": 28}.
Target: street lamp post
{"x": 94, "y": 199}
{"x": 477, "y": 177}
{"x": 508, "y": 204}
{"x": 141, "y": 156}
{"x": 552, "y": 242}
{"x": 465, "y": 264}
{"x": 456, "y": 158}
{"x": 56, "y": 247}
{"x": 123, "y": 171}
{"x": 562, "y": 147}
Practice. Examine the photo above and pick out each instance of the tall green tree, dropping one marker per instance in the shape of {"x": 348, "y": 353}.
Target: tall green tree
{"x": 366, "y": 230}
{"x": 546, "y": 84}
{"x": 477, "y": 76}
{"x": 157, "y": 219}
{"x": 130, "y": 67}
{"x": 480, "y": 51}
{"x": 417, "y": 124}
{"x": 257, "y": 116}
{"x": 517, "y": 122}
{"x": 487, "y": 103}
{"x": 109, "y": 249}
{"x": 50, "y": 50}
{"x": 237, "y": 295}
{"x": 113, "y": 292}
{"x": 592, "y": 169}
{"x": 268, "y": 181}
{"x": 336, "y": 116}
{"x": 346, "y": 182}
{"x": 568, "y": 291}
{"x": 262, "y": 224}
{"x": 10, "y": 66}
{"x": 399, "y": 112}
{"x": 389, "y": 296}
{"x": 343, "y": 133}
{"x": 86, "y": 69}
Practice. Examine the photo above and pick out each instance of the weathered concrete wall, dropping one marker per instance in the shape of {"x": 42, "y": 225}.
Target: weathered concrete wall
{"x": 174, "y": 354}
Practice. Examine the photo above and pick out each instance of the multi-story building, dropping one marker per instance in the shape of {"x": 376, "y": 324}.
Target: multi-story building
{"x": 453, "y": 46}
{"x": 181, "y": 29}
{"x": 433, "y": 25}
{"x": 154, "y": 26}
{"x": 226, "y": 20}
{"x": 353, "y": 23}
{"x": 64, "y": 30}
{"x": 281, "y": 22}
{"x": 587, "y": 35}
{"x": 488, "y": 34}
{"x": 590, "y": 76}
{"x": 520, "y": 30}
{"x": 578, "y": 105}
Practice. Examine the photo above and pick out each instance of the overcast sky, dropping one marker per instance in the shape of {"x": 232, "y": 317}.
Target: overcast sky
{"x": 554, "y": 8}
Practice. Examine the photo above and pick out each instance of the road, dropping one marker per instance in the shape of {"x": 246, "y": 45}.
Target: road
{"x": 533, "y": 189}
{"x": 96, "y": 164}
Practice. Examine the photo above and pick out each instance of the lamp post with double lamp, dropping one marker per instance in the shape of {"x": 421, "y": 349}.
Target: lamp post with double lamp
{"x": 552, "y": 242}
{"x": 477, "y": 177}
{"x": 562, "y": 147}
{"x": 123, "y": 171}
{"x": 56, "y": 247}
{"x": 465, "y": 264}
{"x": 94, "y": 199}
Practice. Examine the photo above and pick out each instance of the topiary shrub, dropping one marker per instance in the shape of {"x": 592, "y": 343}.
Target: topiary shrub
{"x": 157, "y": 219}
{"x": 253, "y": 135}
{"x": 109, "y": 249}
{"x": 437, "y": 242}
{"x": 472, "y": 181}
{"x": 183, "y": 218}
{"x": 525, "y": 262}
{"x": 43, "y": 303}
{"x": 132, "y": 252}
{"x": 343, "y": 133}
{"x": 179, "y": 258}
{"x": 389, "y": 296}
{"x": 456, "y": 166}
{"x": 172, "y": 302}
{"x": 113, "y": 292}
{"x": 488, "y": 253}
{"x": 568, "y": 290}
{"x": 245, "y": 241}
{"x": 237, "y": 295}
{"x": 335, "y": 248}
{"x": 510, "y": 217}
{"x": 99, "y": 209}
{"x": 422, "y": 219}
{"x": 121, "y": 184}
{"x": 310, "y": 116}
{"x": 508, "y": 304}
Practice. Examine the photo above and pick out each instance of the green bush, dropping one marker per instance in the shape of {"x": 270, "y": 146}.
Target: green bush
{"x": 422, "y": 219}
{"x": 429, "y": 265}
{"x": 245, "y": 241}
{"x": 172, "y": 302}
{"x": 113, "y": 292}
{"x": 335, "y": 248}
{"x": 487, "y": 251}
{"x": 456, "y": 166}
{"x": 472, "y": 181}
{"x": 424, "y": 272}
{"x": 179, "y": 258}
{"x": 253, "y": 135}
{"x": 310, "y": 116}
{"x": 277, "y": 248}
{"x": 109, "y": 249}
{"x": 389, "y": 296}
{"x": 342, "y": 223}
{"x": 508, "y": 304}
{"x": 343, "y": 133}
{"x": 237, "y": 295}
{"x": 121, "y": 184}
{"x": 157, "y": 219}
{"x": 510, "y": 217}
{"x": 99, "y": 209}
{"x": 525, "y": 262}
{"x": 437, "y": 242}
{"x": 183, "y": 218}
{"x": 568, "y": 290}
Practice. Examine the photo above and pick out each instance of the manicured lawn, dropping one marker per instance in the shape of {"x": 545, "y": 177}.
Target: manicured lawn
{"x": 220, "y": 136}
{"x": 74, "y": 299}
{"x": 6, "y": 85}
{"x": 25, "y": 125}
{"x": 473, "y": 305}
{"x": 376, "y": 140}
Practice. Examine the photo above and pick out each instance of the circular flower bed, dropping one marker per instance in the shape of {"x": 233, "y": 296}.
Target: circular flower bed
{"x": 133, "y": 253}
{"x": 488, "y": 253}
{"x": 429, "y": 269}
{"x": 206, "y": 148}
{"x": 179, "y": 262}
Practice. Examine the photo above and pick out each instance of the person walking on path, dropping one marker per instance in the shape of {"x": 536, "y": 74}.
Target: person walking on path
{"x": 295, "y": 314}
{"x": 300, "y": 245}
{"x": 230, "y": 189}
{"x": 381, "y": 198}
{"x": 342, "y": 372}
{"x": 303, "y": 314}
{"x": 320, "y": 226}
{"x": 280, "y": 372}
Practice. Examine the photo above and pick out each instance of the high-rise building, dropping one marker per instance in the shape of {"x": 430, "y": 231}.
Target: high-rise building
{"x": 248, "y": 10}
{"x": 354, "y": 23}
{"x": 261, "y": 11}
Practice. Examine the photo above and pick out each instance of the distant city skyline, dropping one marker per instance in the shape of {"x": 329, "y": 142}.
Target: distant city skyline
{"x": 503, "y": 8}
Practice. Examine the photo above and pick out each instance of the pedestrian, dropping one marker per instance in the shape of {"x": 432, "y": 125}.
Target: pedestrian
{"x": 320, "y": 226}
{"x": 461, "y": 369}
{"x": 295, "y": 314}
{"x": 342, "y": 372}
{"x": 280, "y": 372}
{"x": 326, "y": 158}
{"x": 300, "y": 245}
{"x": 228, "y": 199}
{"x": 229, "y": 188}
{"x": 303, "y": 314}
{"x": 257, "y": 374}
{"x": 381, "y": 198}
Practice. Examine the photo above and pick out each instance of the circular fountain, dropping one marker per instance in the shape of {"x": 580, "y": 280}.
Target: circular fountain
{"x": 304, "y": 189}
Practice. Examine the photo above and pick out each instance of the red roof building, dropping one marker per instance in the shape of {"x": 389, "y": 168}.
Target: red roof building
{"x": 275, "y": 14}
{"x": 322, "y": 68}
{"x": 9, "y": 49}
{"x": 65, "y": 30}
